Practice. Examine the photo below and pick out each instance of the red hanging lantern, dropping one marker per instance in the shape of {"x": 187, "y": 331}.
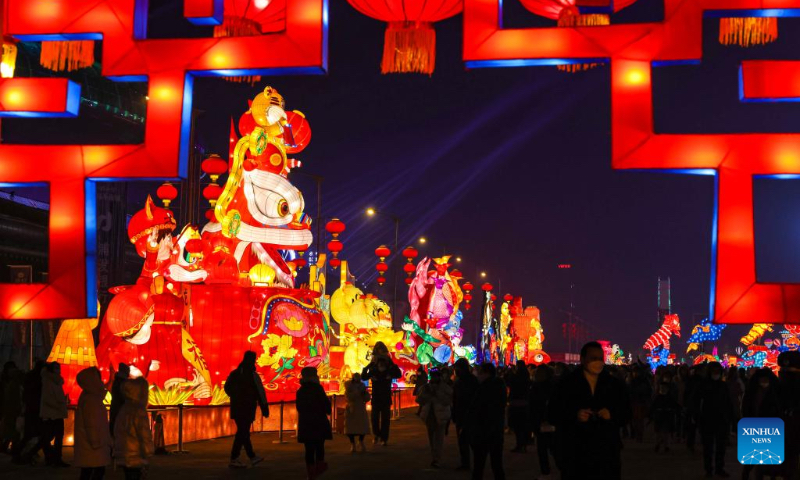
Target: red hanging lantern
{"x": 409, "y": 268}
{"x": 335, "y": 227}
{"x": 335, "y": 246}
{"x": 410, "y": 253}
{"x": 214, "y": 166}
{"x": 486, "y": 287}
{"x": 381, "y": 280}
{"x": 409, "y": 44}
{"x": 246, "y": 18}
{"x": 409, "y": 280}
{"x": 167, "y": 193}
{"x": 212, "y": 193}
{"x": 567, "y": 13}
{"x": 508, "y": 297}
{"x": 382, "y": 252}
{"x": 467, "y": 297}
{"x": 335, "y": 262}
{"x": 494, "y": 297}
{"x": 456, "y": 274}
{"x": 301, "y": 131}
{"x": 300, "y": 261}
{"x": 210, "y": 215}
{"x": 467, "y": 287}
{"x": 381, "y": 267}
{"x": 467, "y": 306}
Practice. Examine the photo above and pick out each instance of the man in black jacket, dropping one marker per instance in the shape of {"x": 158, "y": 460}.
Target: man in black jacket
{"x": 464, "y": 389}
{"x": 715, "y": 417}
{"x": 588, "y": 408}
{"x": 381, "y": 371}
{"x": 246, "y": 392}
{"x": 487, "y": 417}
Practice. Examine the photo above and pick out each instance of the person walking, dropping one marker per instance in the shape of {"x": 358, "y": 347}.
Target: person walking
{"x": 313, "y": 425}
{"x": 589, "y": 406}
{"x": 487, "y": 416}
{"x": 53, "y": 411}
{"x": 356, "y": 422}
{"x": 663, "y": 414}
{"x": 716, "y": 412}
{"x": 464, "y": 388}
{"x": 12, "y": 407}
{"x": 435, "y": 401}
{"x": 133, "y": 441}
{"x": 246, "y": 392}
{"x": 123, "y": 373}
{"x": 519, "y": 384}
{"x": 92, "y": 438}
{"x": 381, "y": 370}
{"x": 32, "y": 402}
{"x": 540, "y": 394}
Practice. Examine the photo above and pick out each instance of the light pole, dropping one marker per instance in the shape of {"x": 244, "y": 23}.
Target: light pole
{"x": 371, "y": 212}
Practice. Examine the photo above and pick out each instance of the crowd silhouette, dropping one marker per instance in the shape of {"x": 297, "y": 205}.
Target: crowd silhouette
{"x": 577, "y": 415}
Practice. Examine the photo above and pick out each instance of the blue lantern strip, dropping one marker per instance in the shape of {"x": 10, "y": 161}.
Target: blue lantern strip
{"x": 706, "y": 331}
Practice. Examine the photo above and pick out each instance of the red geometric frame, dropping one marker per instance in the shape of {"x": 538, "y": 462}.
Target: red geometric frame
{"x": 169, "y": 66}
{"x": 633, "y": 49}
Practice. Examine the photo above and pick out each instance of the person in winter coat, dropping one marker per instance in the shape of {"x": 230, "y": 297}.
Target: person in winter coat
{"x": 588, "y": 409}
{"x": 540, "y": 394}
{"x": 123, "y": 373}
{"x": 31, "y": 400}
{"x": 487, "y": 417}
{"x": 246, "y": 392}
{"x": 356, "y": 422}
{"x": 715, "y": 416}
{"x": 381, "y": 370}
{"x": 53, "y": 411}
{"x": 92, "y": 438}
{"x": 313, "y": 425}
{"x": 464, "y": 389}
{"x": 663, "y": 414}
{"x": 12, "y": 407}
{"x": 519, "y": 384}
{"x": 133, "y": 440}
{"x": 789, "y": 376}
{"x": 435, "y": 400}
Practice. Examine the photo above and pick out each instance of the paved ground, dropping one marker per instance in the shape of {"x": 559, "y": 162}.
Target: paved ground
{"x": 407, "y": 458}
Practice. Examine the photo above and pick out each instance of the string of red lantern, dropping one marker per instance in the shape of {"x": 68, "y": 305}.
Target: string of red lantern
{"x": 213, "y": 166}
{"x": 382, "y": 267}
{"x": 468, "y": 295}
{"x": 335, "y": 227}
{"x": 410, "y": 253}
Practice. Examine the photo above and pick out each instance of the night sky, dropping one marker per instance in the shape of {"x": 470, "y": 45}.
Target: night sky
{"x": 510, "y": 169}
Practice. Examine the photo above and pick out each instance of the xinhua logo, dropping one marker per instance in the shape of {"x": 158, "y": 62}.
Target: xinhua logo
{"x": 760, "y": 441}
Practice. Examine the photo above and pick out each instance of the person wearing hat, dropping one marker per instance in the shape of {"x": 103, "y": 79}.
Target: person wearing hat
{"x": 789, "y": 376}
{"x": 123, "y": 373}
{"x": 313, "y": 425}
{"x": 246, "y": 391}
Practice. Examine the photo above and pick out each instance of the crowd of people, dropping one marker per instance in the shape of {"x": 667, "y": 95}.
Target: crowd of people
{"x": 578, "y": 415}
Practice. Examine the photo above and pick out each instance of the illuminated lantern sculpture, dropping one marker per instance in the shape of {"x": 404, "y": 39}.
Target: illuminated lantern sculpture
{"x": 203, "y": 300}
{"x": 167, "y": 193}
{"x": 73, "y": 348}
{"x": 247, "y": 18}
{"x": 527, "y": 333}
{"x": 409, "y": 44}
{"x": 672, "y": 324}
{"x": 568, "y": 14}
{"x": 335, "y": 227}
{"x": 756, "y": 331}
{"x": 705, "y": 331}
{"x": 67, "y": 55}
